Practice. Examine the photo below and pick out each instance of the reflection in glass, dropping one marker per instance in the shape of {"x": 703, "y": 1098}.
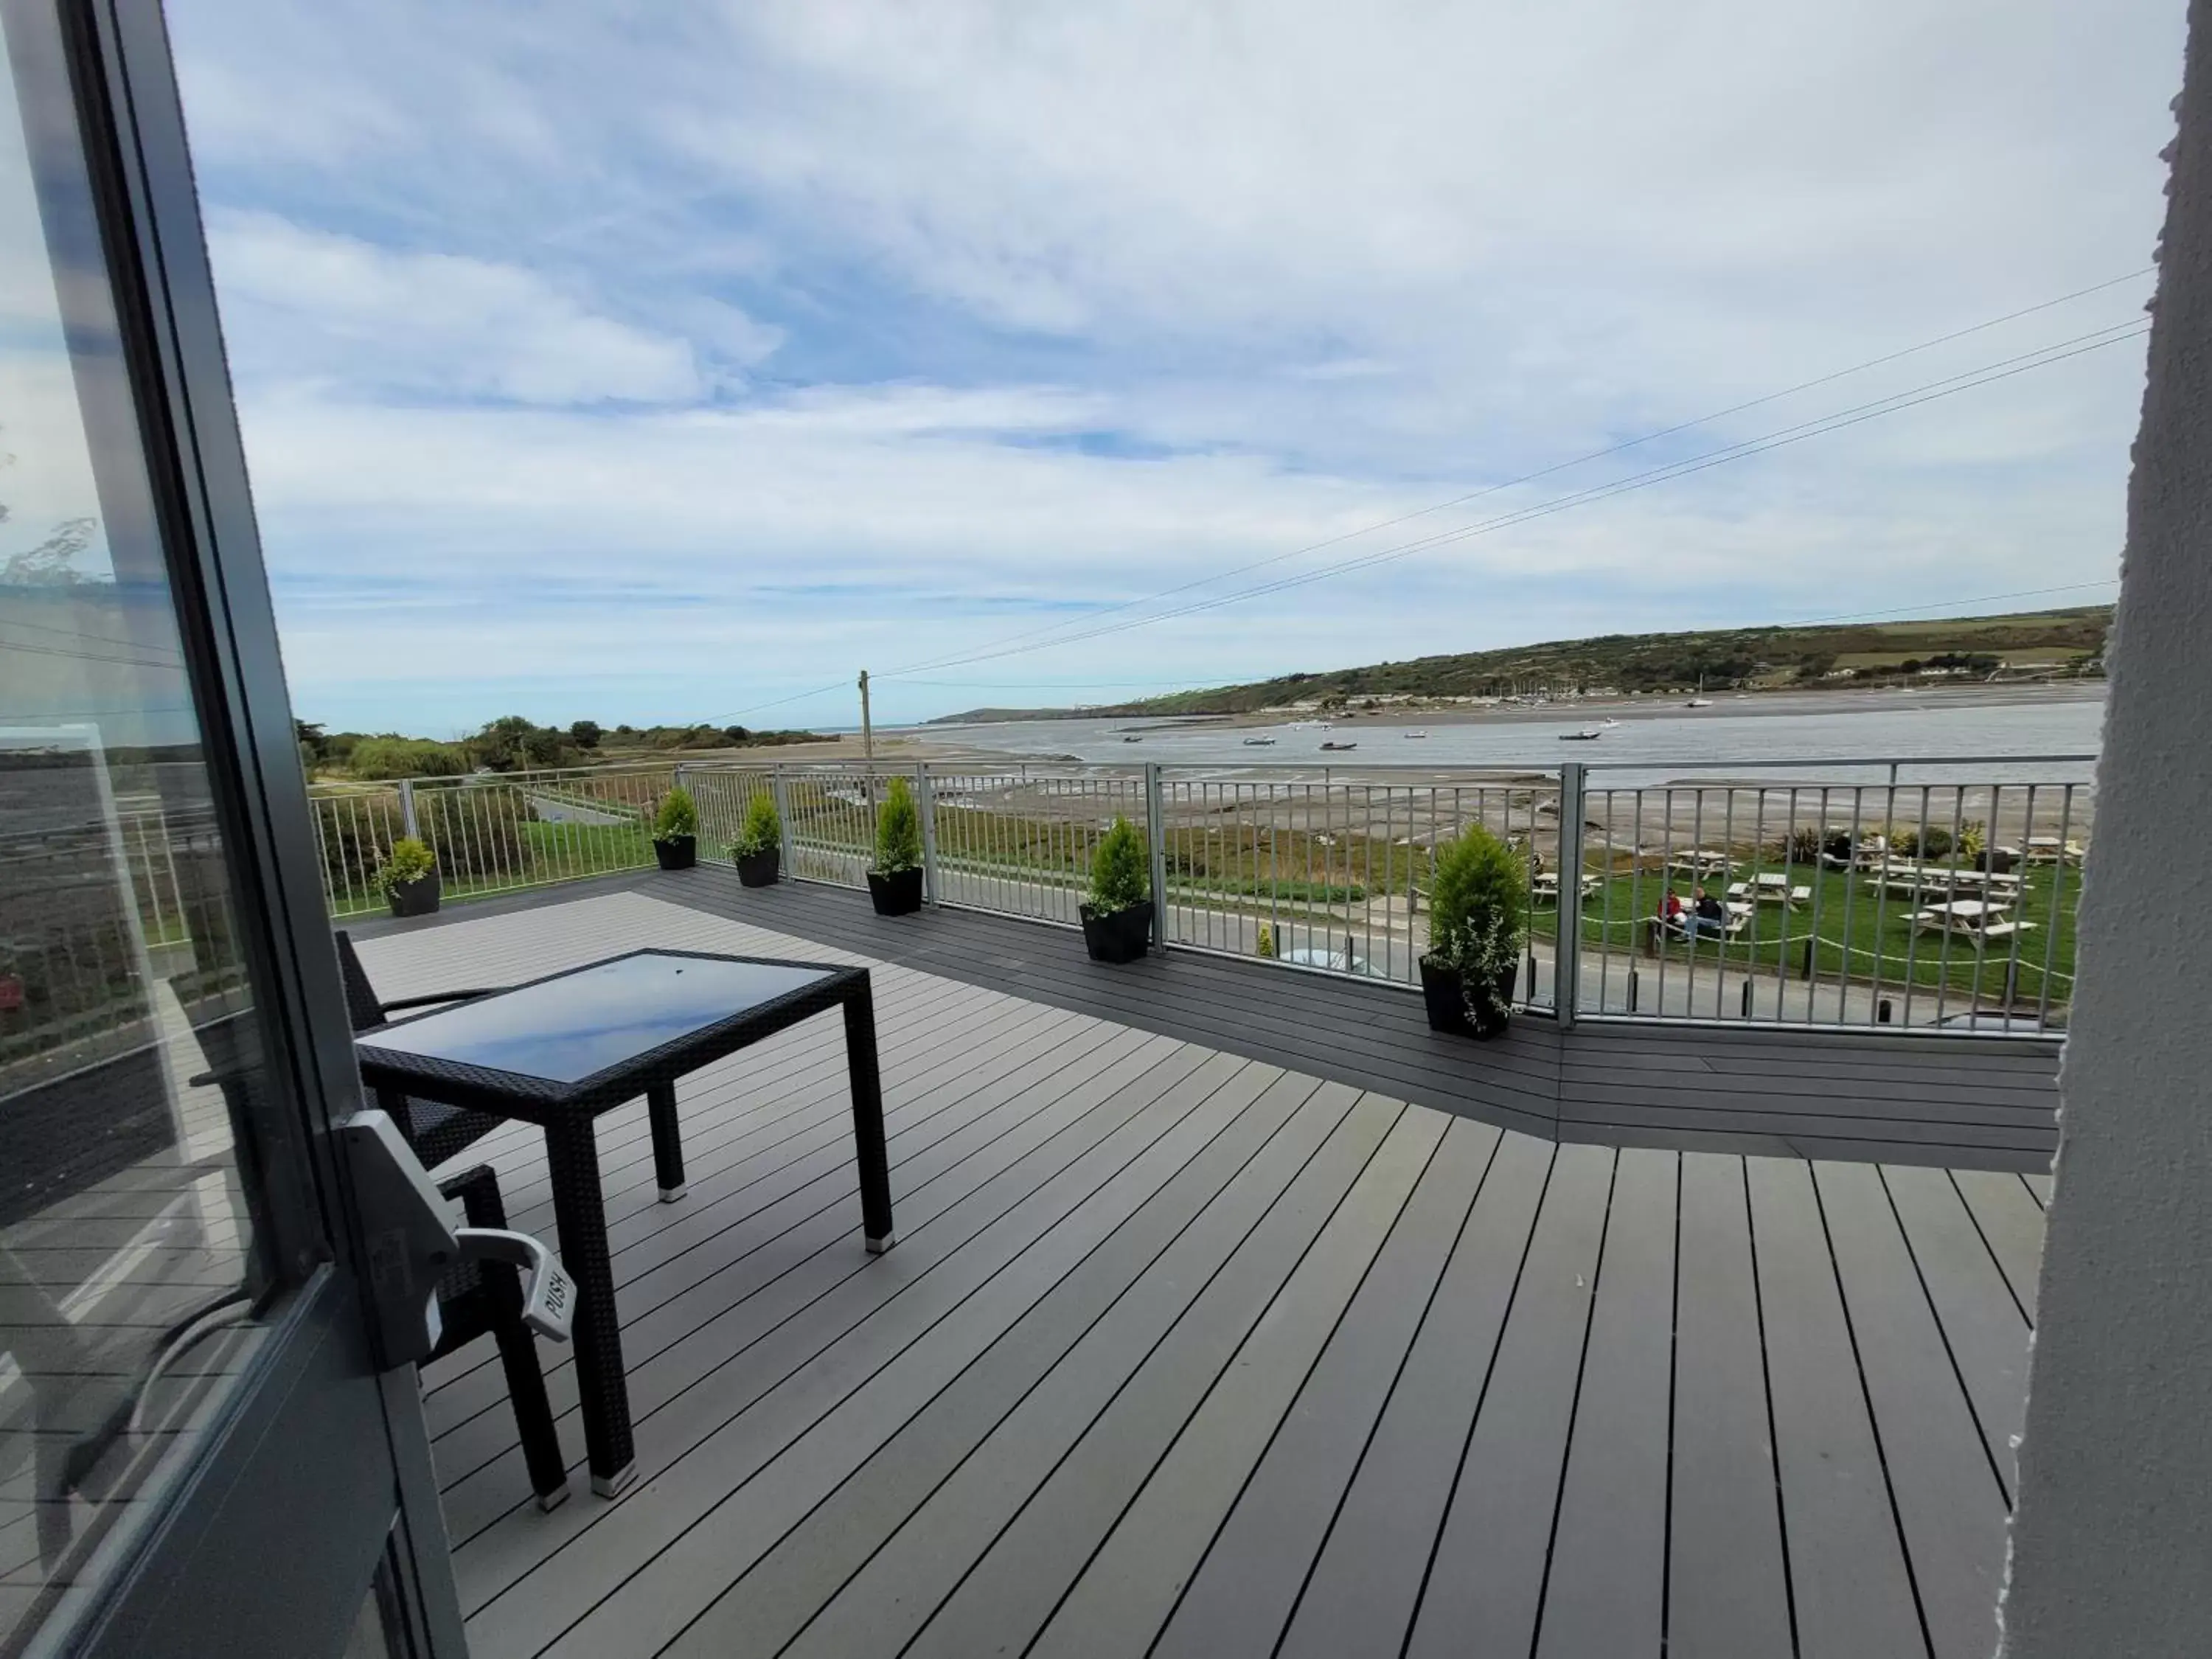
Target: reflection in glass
{"x": 566, "y": 1028}
{"x": 132, "y": 1273}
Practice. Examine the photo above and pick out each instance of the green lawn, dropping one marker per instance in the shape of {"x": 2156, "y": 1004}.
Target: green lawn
{"x": 1849, "y": 926}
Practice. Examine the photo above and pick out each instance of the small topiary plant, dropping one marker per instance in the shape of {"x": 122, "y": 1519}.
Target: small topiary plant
{"x": 679, "y": 816}
{"x": 1973, "y": 841}
{"x": 898, "y": 831}
{"x": 1119, "y": 877}
{"x": 409, "y": 861}
{"x": 1267, "y": 945}
{"x": 762, "y": 830}
{"x": 1478, "y": 920}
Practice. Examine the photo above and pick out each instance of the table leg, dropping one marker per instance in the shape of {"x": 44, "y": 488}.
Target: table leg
{"x": 868, "y": 1118}
{"x": 572, "y": 1154}
{"x": 667, "y": 1140}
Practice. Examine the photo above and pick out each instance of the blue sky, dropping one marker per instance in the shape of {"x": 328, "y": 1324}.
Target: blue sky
{"x": 646, "y": 362}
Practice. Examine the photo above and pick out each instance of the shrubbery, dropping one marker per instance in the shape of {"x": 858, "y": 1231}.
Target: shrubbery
{"x": 408, "y": 861}
{"x": 762, "y": 830}
{"x": 898, "y": 831}
{"x": 1478, "y": 919}
{"x": 404, "y": 757}
{"x": 679, "y": 816}
{"x": 1119, "y": 875}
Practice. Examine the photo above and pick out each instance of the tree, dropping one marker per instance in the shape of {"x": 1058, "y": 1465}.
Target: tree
{"x": 512, "y": 742}
{"x": 586, "y": 734}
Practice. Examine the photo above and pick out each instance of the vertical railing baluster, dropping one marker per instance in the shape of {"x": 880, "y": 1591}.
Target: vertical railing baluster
{"x": 2057, "y": 900}
{"x": 924, "y": 805}
{"x": 1156, "y": 849}
{"x": 1566, "y": 953}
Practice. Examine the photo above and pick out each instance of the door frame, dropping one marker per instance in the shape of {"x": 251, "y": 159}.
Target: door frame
{"x": 198, "y": 1577}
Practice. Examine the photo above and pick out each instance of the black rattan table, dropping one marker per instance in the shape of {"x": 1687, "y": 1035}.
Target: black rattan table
{"x": 559, "y": 1051}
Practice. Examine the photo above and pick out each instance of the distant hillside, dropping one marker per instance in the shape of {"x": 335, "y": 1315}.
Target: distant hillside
{"x": 1734, "y": 657}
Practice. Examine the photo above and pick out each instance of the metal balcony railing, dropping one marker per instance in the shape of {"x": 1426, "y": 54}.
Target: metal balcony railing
{"x": 1876, "y": 894}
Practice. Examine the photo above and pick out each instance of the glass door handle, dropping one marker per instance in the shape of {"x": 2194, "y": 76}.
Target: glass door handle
{"x": 548, "y": 1295}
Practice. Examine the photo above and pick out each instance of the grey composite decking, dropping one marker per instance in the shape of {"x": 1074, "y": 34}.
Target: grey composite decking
{"x": 1185, "y": 1352}
{"x": 1949, "y": 1102}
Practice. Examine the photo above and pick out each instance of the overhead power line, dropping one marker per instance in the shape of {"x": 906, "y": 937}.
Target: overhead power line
{"x": 1948, "y": 605}
{"x": 1557, "y": 466}
{"x": 992, "y": 650}
{"x": 1951, "y": 387}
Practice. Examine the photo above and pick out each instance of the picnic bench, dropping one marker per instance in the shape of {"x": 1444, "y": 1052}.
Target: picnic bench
{"x": 1545, "y": 885}
{"x": 1974, "y": 919}
{"x": 1701, "y": 861}
{"x": 1769, "y": 889}
{"x": 1660, "y": 930}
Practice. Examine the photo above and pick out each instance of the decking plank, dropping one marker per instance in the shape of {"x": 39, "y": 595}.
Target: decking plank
{"x": 1367, "y": 1578}
{"x": 1057, "y": 1502}
{"x": 924, "y": 1134}
{"x": 1116, "y": 1302}
{"x": 696, "y": 1323}
{"x": 1124, "y": 1596}
{"x": 1981, "y": 1325}
{"x": 1605, "y": 1587}
{"x": 686, "y": 1578}
{"x": 2010, "y": 1220}
{"x": 816, "y": 1282}
{"x": 1486, "y": 1580}
{"x": 1242, "y": 1595}
{"x": 1950, "y": 1506}
{"x": 1728, "y": 1592}
{"x": 712, "y": 1439}
{"x": 1848, "y": 1579}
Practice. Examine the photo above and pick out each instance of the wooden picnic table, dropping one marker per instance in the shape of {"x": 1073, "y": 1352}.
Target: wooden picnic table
{"x": 1699, "y": 861}
{"x": 1771, "y": 888}
{"x": 1978, "y": 918}
{"x": 1545, "y": 885}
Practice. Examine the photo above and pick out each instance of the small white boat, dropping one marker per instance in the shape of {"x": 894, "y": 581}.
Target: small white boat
{"x": 1259, "y": 743}
{"x": 1698, "y": 702}
{"x": 1608, "y": 720}
{"x": 1411, "y": 735}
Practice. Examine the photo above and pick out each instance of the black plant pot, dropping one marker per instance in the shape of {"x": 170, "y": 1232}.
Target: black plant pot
{"x": 1445, "y": 1000}
{"x": 677, "y": 852}
{"x": 1444, "y": 991}
{"x": 418, "y": 897}
{"x": 898, "y": 894}
{"x": 1120, "y": 935}
{"x": 761, "y": 869}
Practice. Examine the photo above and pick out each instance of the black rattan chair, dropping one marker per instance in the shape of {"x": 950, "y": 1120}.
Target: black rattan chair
{"x": 435, "y": 1132}
{"x": 485, "y": 1299}
{"x": 475, "y": 1299}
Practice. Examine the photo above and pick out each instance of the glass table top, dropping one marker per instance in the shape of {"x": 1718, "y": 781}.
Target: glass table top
{"x": 568, "y": 1028}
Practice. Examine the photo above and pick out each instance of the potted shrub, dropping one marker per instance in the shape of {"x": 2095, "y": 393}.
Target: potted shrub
{"x": 1478, "y": 924}
{"x": 407, "y": 876}
{"x": 676, "y": 830}
{"x": 1117, "y": 917}
{"x": 895, "y": 879}
{"x": 758, "y": 850}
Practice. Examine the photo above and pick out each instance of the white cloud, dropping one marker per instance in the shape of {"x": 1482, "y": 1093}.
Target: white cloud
{"x": 985, "y": 305}
{"x": 313, "y": 305}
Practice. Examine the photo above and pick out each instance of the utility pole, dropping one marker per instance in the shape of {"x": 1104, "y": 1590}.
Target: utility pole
{"x": 868, "y": 741}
